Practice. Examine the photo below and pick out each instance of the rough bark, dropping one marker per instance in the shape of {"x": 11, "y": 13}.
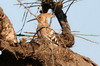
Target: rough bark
{"x": 6, "y": 29}
{"x": 38, "y": 53}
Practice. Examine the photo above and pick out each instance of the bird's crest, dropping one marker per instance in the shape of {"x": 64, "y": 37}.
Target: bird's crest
{"x": 47, "y": 15}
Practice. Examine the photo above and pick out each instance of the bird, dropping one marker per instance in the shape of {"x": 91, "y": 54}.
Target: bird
{"x": 44, "y": 31}
{"x": 7, "y": 32}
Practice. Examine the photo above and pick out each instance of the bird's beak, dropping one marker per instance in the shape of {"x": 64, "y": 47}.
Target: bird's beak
{"x": 31, "y": 20}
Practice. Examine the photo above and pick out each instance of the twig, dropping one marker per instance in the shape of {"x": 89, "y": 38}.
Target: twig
{"x": 29, "y": 3}
{"x": 25, "y": 15}
{"x": 67, "y": 1}
{"x": 26, "y": 35}
{"x": 32, "y": 6}
{"x": 75, "y": 31}
{"x": 65, "y": 6}
{"x": 30, "y": 32}
{"x": 24, "y": 18}
{"x": 32, "y": 3}
{"x": 26, "y": 8}
{"x": 85, "y": 35}
{"x": 87, "y": 39}
{"x": 69, "y": 6}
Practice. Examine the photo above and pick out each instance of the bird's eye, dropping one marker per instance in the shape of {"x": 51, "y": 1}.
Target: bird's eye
{"x": 39, "y": 17}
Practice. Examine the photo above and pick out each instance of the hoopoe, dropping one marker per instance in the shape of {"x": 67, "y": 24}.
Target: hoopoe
{"x": 7, "y": 32}
{"x": 43, "y": 29}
